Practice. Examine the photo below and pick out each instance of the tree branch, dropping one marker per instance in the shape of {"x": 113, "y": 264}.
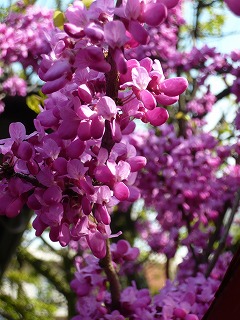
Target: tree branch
{"x": 115, "y": 288}
{"x": 224, "y": 237}
{"x": 223, "y": 93}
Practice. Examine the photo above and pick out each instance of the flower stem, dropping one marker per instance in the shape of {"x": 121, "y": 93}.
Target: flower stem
{"x": 112, "y": 277}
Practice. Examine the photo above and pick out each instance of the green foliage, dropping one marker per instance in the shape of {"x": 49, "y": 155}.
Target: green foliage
{"x": 34, "y": 288}
{"x": 34, "y": 102}
{"x": 58, "y": 19}
{"x": 3, "y": 14}
{"x": 213, "y": 24}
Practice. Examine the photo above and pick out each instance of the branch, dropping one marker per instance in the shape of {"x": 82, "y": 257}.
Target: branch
{"x": 115, "y": 287}
{"x": 223, "y": 94}
{"x": 167, "y": 268}
{"x": 215, "y": 235}
{"x": 224, "y": 237}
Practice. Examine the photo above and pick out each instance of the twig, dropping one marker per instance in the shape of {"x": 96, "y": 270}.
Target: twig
{"x": 226, "y": 231}
{"x": 115, "y": 287}
{"x": 168, "y": 268}
{"x": 223, "y": 94}
{"x": 215, "y": 235}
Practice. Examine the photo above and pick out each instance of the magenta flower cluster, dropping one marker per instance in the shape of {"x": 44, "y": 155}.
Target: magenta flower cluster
{"x": 90, "y": 283}
{"x": 73, "y": 176}
{"x": 23, "y": 38}
{"x": 23, "y": 35}
{"x": 85, "y": 159}
{"x": 182, "y": 183}
{"x": 185, "y": 298}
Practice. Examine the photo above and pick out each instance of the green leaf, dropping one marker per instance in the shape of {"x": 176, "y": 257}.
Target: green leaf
{"x": 87, "y": 3}
{"x": 33, "y": 102}
{"x": 58, "y": 19}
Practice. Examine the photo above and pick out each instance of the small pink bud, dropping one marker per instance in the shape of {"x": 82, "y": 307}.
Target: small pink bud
{"x": 121, "y": 191}
{"x": 122, "y": 247}
{"x": 97, "y": 244}
{"x": 25, "y": 151}
{"x": 84, "y": 130}
{"x": 60, "y": 165}
{"x": 85, "y": 93}
{"x": 33, "y": 167}
{"x": 97, "y": 127}
{"x": 157, "y": 116}
{"x": 103, "y": 213}
{"x": 154, "y": 14}
{"x": 14, "y": 208}
{"x": 179, "y": 313}
{"x": 55, "y": 85}
{"x": 148, "y": 99}
{"x": 75, "y": 149}
{"x": 106, "y": 107}
{"x": 64, "y": 235}
{"x": 173, "y": 87}
{"x": 170, "y": 3}
{"x": 138, "y": 32}
{"x": 166, "y": 100}
{"x": 86, "y": 205}
{"x": 137, "y": 163}
{"x": 57, "y": 70}
{"x": 73, "y": 31}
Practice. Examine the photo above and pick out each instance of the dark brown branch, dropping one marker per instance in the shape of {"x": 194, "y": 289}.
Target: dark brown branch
{"x": 112, "y": 277}
{"x": 29, "y": 179}
{"x": 224, "y": 237}
{"x": 167, "y": 268}
{"x": 215, "y": 235}
{"x": 112, "y": 86}
{"x": 223, "y": 94}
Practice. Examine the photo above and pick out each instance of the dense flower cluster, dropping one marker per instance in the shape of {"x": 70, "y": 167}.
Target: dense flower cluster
{"x": 189, "y": 299}
{"x": 185, "y": 298}
{"x": 181, "y": 182}
{"x": 83, "y": 160}
{"x": 90, "y": 282}
{"x": 15, "y": 86}
{"x": 22, "y": 35}
{"x": 23, "y": 38}
{"x": 74, "y": 176}
{"x": 163, "y": 38}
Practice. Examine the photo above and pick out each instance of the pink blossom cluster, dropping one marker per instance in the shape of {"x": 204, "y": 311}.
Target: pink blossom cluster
{"x": 190, "y": 298}
{"x": 185, "y": 298}
{"x": 22, "y": 35}
{"x": 23, "y": 38}
{"x": 15, "y": 86}
{"x": 182, "y": 183}
{"x": 79, "y": 164}
{"x": 163, "y": 38}
{"x": 199, "y": 107}
{"x": 93, "y": 298}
